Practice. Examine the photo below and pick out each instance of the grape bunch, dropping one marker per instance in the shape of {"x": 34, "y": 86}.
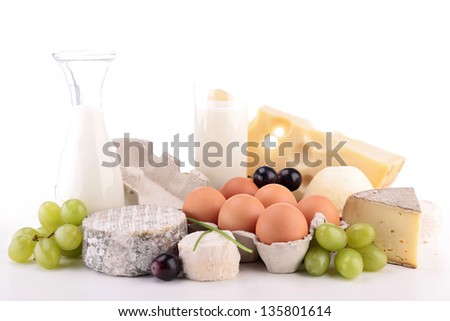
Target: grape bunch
{"x": 288, "y": 177}
{"x": 354, "y": 247}
{"x": 59, "y": 235}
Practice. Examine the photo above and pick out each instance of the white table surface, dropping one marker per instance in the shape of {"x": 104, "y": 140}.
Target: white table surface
{"x": 376, "y": 72}
{"x": 73, "y": 281}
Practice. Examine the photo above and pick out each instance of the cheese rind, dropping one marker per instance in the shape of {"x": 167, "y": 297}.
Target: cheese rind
{"x": 124, "y": 241}
{"x": 380, "y": 166}
{"x": 395, "y": 215}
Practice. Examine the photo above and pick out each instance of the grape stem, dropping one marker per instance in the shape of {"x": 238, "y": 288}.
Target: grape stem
{"x": 37, "y": 237}
{"x": 212, "y": 228}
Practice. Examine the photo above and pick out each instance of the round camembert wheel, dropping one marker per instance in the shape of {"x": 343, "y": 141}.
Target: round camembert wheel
{"x": 124, "y": 241}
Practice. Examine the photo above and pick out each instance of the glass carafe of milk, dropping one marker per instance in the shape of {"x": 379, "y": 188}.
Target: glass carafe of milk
{"x": 81, "y": 173}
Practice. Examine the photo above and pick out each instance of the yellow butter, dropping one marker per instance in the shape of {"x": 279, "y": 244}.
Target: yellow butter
{"x": 219, "y": 95}
{"x": 380, "y": 166}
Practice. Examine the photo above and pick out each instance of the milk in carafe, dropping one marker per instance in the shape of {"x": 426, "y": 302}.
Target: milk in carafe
{"x": 82, "y": 172}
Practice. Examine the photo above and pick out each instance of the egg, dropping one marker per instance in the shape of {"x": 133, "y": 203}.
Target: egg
{"x": 240, "y": 212}
{"x": 281, "y": 222}
{"x": 312, "y": 204}
{"x": 275, "y": 193}
{"x": 238, "y": 185}
{"x": 203, "y": 204}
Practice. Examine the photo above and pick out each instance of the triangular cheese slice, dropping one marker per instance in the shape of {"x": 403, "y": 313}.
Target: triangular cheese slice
{"x": 395, "y": 215}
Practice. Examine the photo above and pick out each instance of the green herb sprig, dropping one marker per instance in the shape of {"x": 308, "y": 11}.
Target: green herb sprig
{"x": 200, "y": 238}
{"x": 212, "y": 228}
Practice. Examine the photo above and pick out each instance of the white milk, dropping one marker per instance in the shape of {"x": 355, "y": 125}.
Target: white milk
{"x": 81, "y": 174}
{"x": 223, "y": 123}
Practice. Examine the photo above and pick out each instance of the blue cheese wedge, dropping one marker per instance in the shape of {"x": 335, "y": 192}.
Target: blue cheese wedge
{"x": 124, "y": 241}
{"x": 216, "y": 258}
{"x": 395, "y": 215}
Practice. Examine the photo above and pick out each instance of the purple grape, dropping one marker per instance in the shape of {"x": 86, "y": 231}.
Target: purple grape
{"x": 290, "y": 178}
{"x": 264, "y": 175}
{"x": 165, "y": 266}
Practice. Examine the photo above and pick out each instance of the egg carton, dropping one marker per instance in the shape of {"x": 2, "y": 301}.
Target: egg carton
{"x": 279, "y": 258}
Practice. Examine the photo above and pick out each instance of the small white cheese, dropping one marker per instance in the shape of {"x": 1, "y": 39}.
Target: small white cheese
{"x": 431, "y": 221}
{"x": 215, "y": 258}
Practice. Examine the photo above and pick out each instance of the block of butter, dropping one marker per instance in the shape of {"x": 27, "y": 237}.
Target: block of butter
{"x": 298, "y": 144}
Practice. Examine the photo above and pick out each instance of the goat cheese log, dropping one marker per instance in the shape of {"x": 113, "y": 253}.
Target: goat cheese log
{"x": 124, "y": 241}
{"x": 215, "y": 258}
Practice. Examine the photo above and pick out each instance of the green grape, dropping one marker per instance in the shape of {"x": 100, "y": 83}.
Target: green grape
{"x": 374, "y": 259}
{"x": 73, "y": 211}
{"x": 47, "y": 253}
{"x": 349, "y": 263}
{"x": 50, "y": 216}
{"x": 313, "y": 243}
{"x": 21, "y": 248}
{"x": 43, "y": 232}
{"x": 74, "y": 253}
{"x": 68, "y": 237}
{"x": 31, "y": 232}
{"x": 331, "y": 237}
{"x": 317, "y": 260}
{"x": 360, "y": 235}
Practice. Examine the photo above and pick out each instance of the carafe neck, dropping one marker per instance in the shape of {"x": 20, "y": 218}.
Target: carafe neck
{"x": 85, "y": 73}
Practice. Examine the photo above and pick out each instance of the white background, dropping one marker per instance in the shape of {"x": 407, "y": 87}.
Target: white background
{"x": 375, "y": 70}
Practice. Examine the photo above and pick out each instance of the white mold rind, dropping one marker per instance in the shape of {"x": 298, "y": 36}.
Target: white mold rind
{"x": 124, "y": 241}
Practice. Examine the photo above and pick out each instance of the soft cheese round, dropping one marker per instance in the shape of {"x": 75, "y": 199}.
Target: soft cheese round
{"x": 124, "y": 241}
{"x": 215, "y": 258}
{"x": 338, "y": 183}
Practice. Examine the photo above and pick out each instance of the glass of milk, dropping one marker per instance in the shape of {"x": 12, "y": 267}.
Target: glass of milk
{"x": 221, "y": 129}
{"x": 81, "y": 172}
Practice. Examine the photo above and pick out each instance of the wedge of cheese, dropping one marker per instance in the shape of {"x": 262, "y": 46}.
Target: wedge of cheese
{"x": 297, "y": 144}
{"x": 395, "y": 215}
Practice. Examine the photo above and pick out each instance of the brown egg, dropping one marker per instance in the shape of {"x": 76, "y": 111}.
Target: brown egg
{"x": 312, "y": 204}
{"x": 275, "y": 193}
{"x": 240, "y": 212}
{"x": 238, "y": 185}
{"x": 281, "y": 222}
{"x": 203, "y": 204}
